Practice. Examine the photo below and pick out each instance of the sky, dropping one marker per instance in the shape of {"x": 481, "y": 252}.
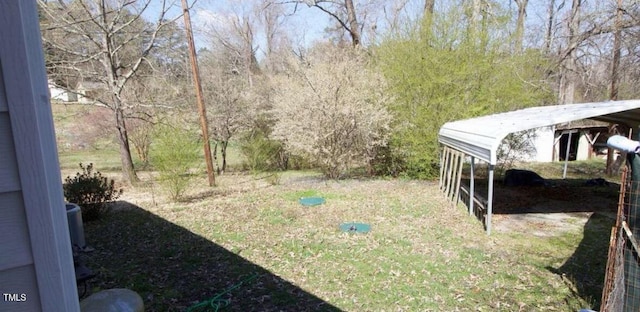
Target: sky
{"x": 307, "y": 24}
{"x": 304, "y": 27}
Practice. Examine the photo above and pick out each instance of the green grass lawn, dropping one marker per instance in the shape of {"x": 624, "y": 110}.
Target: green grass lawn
{"x": 422, "y": 254}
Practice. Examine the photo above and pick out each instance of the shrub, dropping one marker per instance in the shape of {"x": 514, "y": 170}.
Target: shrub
{"x": 436, "y": 75}
{"x": 387, "y": 161}
{"x": 91, "y": 191}
{"x": 263, "y": 154}
{"x": 332, "y": 112}
{"x": 140, "y": 133}
{"x": 174, "y": 153}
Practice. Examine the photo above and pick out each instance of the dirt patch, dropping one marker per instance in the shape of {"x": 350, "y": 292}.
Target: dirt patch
{"x": 541, "y": 224}
{"x": 547, "y": 210}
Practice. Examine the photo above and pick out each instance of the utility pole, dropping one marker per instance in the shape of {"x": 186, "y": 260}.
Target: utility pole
{"x": 199, "y": 98}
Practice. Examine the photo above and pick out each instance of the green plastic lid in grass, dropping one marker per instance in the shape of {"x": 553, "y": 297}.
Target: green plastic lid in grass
{"x": 311, "y": 201}
{"x": 353, "y": 227}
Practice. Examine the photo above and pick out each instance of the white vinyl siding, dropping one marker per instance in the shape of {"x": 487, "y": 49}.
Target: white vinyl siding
{"x": 3, "y": 97}
{"x": 9, "y": 179}
{"x": 35, "y": 249}
{"x": 21, "y": 280}
{"x": 14, "y": 233}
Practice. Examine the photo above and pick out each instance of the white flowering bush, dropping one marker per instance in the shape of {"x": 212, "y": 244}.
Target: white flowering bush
{"x": 332, "y": 111}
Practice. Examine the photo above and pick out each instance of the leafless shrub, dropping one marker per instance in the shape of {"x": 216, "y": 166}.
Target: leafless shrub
{"x": 332, "y": 111}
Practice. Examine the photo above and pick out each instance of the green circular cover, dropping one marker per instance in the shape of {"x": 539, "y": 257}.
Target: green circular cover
{"x": 311, "y": 201}
{"x": 353, "y": 227}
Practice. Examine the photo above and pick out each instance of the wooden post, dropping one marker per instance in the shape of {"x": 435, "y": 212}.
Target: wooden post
{"x": 445, "y": 171}
{"x": 458, "y": 178}
{"x": 442, "y": 153}
{"x": 449, "y": 175}
{"x": 199, "y": 97}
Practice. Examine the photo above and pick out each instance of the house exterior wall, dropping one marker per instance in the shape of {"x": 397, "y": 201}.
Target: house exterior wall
{"x": 16, "y": 270}
{"x": 544, "y": 141}
{"x": 583, "y": 147}
{"x": 544, "y": 144}
{"x": 60, "y": 94}
{"x": 36, "y": 265}
{"x": 89, "y": 91}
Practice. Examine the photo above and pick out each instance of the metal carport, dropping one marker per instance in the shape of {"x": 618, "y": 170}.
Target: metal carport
{"x": 480, "y": 137}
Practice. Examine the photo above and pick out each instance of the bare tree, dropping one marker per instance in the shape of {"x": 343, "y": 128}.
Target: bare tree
{"x": 272, "y": 18}
{"x": 105, "y": 42}
{"x": 583, "y": 43}
{"x": 332, "y": 110}
{"x": 568, "y": 78}
{"x": 429, "y": 9}
{"x": 548, "y": 38}
{"x": 231, "y": 66}
{"x": 353, "y": 22}
{"x": 615, "y": 64}
{"x": 522, "y": 14}
{"x": 226, "y": 91}
{"x": 478, "y": 14}
{"x": 343, "y": 12}
{"x": 236, "y": 34}
{"x": 429, "y": 6}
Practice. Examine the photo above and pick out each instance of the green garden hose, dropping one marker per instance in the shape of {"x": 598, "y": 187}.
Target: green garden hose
{"x": 216, "y": 302}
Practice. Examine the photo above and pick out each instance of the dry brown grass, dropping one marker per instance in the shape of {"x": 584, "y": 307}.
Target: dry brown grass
{"x": 422, "y": 253}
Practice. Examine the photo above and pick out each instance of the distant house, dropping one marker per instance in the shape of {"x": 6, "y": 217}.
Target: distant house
{"x": 588, "y": 140}
{"x": 58, "y": 93}
{"x": 85, "y": 92}
{"x": 584, "y": 140}
{"x": 89, "y": 91}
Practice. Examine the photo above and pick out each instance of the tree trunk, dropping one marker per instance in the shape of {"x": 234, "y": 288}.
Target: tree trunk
{"x": 476, "y": 8}
{"x": 548, "y": 36}
{"x": 248, "y": 53}
{"x": 568, "y": 79}
{"x": 128, "y": 171}
{"x": 215, "y": 156}
{"x": 428, "y": 16}
{"x": 429, "y": 6}
{"x": 354, "y": 30}
{"x": 109, "y": 61}
{"x": 522, "y": 14}
{"x": 477, "y": 24}
{"x": 484, "y": 36}
{"x": 613, "y": 92}
{"x": 223, "y": 151}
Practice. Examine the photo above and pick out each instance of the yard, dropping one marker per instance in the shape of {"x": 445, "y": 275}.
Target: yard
{"x": 422, "y": 254}
{"x": 249, "y": 242}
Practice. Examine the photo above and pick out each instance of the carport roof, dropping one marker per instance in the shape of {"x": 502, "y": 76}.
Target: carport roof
{"x": 481, "y": 136}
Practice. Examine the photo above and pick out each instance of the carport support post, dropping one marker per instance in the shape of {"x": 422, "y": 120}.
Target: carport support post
{"x": 490, "y": 199}
{"x": 471, "y": 185}
{"x": 566, "y": 157}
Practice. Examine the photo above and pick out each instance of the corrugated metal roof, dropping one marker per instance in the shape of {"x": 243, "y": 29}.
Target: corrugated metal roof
{"x": 582, "y": 124}
{"x": 481, "y": 136}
